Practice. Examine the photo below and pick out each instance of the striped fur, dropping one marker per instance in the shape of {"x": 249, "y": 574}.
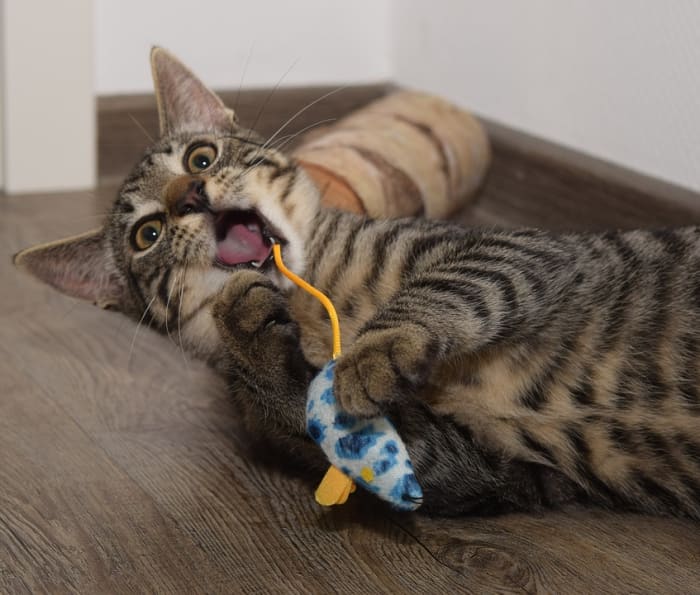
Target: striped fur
{"x": 523, "y": 369}
{"x": 571, "y": 353}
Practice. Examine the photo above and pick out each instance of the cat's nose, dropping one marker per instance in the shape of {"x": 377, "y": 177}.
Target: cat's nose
{"x": 193, "y": 200}
{"x": 186, "y": 195}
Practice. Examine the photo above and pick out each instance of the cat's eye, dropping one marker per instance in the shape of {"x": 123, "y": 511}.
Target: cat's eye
{"x": 199, "y": 158}
{"x": 146, "y": 234}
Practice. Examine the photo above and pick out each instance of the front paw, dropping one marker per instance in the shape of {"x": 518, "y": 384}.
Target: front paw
{"x": 381, "y": 367}
{"x": 268, "y": 370}
{"x": 251, "y": 306}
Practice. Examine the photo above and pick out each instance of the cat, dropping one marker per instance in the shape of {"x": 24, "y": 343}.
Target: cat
{"x": 523, "y": 369}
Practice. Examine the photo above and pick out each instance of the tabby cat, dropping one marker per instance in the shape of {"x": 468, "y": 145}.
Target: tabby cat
{"x": 523, "y": 369}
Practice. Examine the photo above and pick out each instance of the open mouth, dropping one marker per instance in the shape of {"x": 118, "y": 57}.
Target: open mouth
{"x": 243, "y": 238}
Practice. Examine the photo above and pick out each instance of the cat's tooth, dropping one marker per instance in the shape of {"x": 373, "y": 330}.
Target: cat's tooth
{"x": 256, "y": 264}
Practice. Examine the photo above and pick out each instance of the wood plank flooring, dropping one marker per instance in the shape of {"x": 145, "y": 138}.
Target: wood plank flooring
{"x": 122, "y": 468}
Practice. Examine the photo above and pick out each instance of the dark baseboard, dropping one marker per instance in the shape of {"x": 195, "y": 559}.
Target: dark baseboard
{"x": 534, "y": 182}
{"x": 531, "y": 181}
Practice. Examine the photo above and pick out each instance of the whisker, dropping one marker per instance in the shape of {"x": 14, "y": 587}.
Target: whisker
{"x": 283, "y": 141}
{"x": 287, "y": 138}
{"x": 136, "y": 331}
{"x": 206, "y": 303}
{"x": 245, "y": 70}
{"x": 167, "y": 305}
{"x": 264, "y": 106}
{"x": 142, "y": 128}
{"x": 301, "y": 111}
{"x": 271, "y": 93}
{"x": 289, "y": 120}
{"x": 179, "y": 318}
{"x": 242, "y": 139}
{"x": 279, "y": 140}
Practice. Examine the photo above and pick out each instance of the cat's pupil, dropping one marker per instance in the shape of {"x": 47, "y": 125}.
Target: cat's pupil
{"x": 202, "y": 161}
{"x": 149, "y": 234}
{"x": 199, "y": 158}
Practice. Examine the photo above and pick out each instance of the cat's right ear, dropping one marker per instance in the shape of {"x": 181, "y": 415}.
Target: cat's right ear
{"x": 81, "y": 266}
{"x": 185, "y": 104}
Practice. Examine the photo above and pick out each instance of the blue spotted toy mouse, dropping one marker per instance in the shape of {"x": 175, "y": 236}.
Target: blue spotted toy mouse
{"x": 366, "y": 452}
{"x": 369, "y": 451}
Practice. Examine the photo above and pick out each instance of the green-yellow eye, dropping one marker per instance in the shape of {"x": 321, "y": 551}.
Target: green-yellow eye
{"x": 199, "y": 158}
{"x": 147, "y": 233}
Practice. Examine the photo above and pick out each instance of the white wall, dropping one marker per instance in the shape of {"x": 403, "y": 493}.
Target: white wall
{"x": 2, "y": 96}
{"x": 322, "y": 41}
{"x": 47, "y": 102}
{"x": 619, "y": 80}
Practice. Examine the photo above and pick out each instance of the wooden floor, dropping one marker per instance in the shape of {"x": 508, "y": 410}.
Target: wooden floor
{"x": 122, "y": 468}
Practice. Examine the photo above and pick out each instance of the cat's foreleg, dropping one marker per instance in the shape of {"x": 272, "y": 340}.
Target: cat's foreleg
{"x": 432, "y": 319}
{"x": 267, "y": 367}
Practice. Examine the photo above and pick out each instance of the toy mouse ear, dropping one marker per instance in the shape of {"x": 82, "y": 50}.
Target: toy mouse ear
{"x": 81, "y": 266}
{"x": 185, "y": 104}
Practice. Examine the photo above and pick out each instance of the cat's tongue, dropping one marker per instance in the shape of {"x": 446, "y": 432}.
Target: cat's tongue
{"x": 242, "y": 243}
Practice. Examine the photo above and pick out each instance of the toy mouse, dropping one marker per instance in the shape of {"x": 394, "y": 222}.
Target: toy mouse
{"x": 368, "y": 452}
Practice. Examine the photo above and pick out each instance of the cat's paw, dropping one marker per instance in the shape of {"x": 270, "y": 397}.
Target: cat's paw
{"x": 249, "y": 308}
{"x": 263, "y": 353}
{"x": 382, "y": 366}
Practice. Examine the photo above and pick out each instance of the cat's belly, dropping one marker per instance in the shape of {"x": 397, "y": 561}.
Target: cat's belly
{"x": 511, "y": 407}
{"x": 482, "y": 394}
{"x": 514, "y": 404}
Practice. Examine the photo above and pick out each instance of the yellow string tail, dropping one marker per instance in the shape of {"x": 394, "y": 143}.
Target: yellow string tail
{"x": 320, "y": 296}
{"x": 335, "y": 487}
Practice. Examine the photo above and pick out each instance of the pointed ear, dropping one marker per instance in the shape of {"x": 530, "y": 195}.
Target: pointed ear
{"x": 184, "y": 102}
{"x": 81, "y": 266}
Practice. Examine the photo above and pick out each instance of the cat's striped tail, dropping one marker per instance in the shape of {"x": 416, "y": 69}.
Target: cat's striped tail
{"x": 408, "y": 153}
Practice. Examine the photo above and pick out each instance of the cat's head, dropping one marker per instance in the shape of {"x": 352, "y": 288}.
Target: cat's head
{"x": 205, "y": 200}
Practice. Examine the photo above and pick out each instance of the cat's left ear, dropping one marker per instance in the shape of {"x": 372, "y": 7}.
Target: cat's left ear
{"x": 81, "y": 266}
{"x": 185, "y": 104}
